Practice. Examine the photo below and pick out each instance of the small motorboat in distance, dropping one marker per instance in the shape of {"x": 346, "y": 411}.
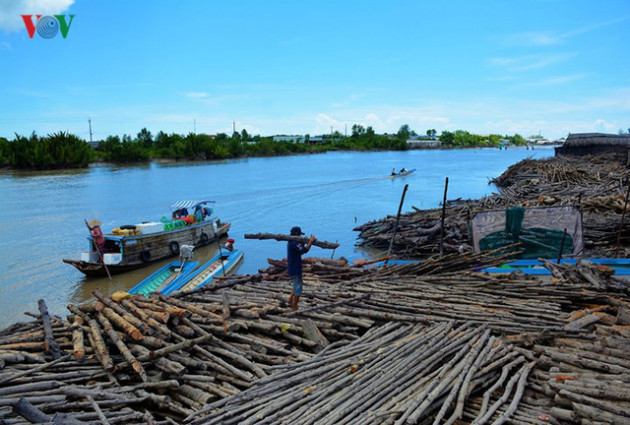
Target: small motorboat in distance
{"x": 403, "y": 174}
{"x": 220, "y": 265}
{"x": 164, "y": 276}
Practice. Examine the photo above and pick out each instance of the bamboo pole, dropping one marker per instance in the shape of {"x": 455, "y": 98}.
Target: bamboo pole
{"x": 443, "y": 216}
{"x": 391, "y": 242}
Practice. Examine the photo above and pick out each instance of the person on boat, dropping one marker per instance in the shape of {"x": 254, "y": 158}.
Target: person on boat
{"x": 180, "y": 213}
{"x": 207, "y": 212}
{"x": 393, "y": 171}
{"x": 97, "y": 234}
{"x": 199, "y": 214}
{"x": 295, "y": 250}
{"x": 229, "y": 244}
{"x": 403, "y": 170}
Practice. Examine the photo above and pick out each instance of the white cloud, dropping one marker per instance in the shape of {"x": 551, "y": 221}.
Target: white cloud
{"x": 534, "y": 38}
{"x": 601, "y": 125}
{"x": 530, "y": 62}
{"x": 10, "y": 11}
{"x": 196, "y": 94}
{"x": 324, "y": 122}
{"x": 548, "y": 38}
{"x": 553, "y": 81}
{"x": 204, "y": 98}
{"x": 373, "y": 120}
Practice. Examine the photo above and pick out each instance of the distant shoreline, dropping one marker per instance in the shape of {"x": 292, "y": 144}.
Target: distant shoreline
{"x": 167, "y": 161}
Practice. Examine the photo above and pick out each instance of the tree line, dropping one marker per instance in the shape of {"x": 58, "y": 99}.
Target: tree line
{"x": 65, "y": 150}
{"x": 57, "y": 150}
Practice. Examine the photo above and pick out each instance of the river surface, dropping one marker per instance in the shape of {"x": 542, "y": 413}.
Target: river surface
{"x": 41, "y": 213}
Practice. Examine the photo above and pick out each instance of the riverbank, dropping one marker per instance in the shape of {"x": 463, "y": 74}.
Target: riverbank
{"x": 397, "y": 343}
{"x": 63, "y": 150}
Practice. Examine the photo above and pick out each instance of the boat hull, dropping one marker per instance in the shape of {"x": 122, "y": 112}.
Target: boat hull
{"x": 164, "y": 276}
{"x": 140, "y": 251}
{"x": 217, "y": 266}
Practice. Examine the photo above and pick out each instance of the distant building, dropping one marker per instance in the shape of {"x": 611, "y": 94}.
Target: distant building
{"x": 594, "y": 144}
{"x": 316, "y": 139}
{"x": 292, "y": 139}
{"x": 423, "y": 144}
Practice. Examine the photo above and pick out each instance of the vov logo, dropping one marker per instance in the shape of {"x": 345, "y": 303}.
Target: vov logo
{"x": 47, "y": 26}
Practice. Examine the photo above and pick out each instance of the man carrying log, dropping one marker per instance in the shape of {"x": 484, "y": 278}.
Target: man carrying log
{"x": 294, "y": 259}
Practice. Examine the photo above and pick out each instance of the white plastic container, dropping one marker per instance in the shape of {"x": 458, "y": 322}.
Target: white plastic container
{"x": 147, "y": 228}
{"x": 90, "y": 257}
{"x": 112, "y": 258}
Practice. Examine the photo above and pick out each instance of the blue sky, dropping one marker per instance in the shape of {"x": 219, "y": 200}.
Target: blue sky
{"x": 297, "y": 67}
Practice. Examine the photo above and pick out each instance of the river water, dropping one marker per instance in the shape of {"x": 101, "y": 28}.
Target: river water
{"x": 41, "y": 213}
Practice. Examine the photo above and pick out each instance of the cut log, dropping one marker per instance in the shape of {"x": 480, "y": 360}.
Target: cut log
{"x": 49, "y": 340}
{"x": 286, "y": 238}
{"x": 29, "y": 412}
{"x": 312, "y": 333}
{"x": 78, "y": 343}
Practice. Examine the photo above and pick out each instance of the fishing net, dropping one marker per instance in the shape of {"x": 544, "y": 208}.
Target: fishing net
{"x": 539, "y": 230}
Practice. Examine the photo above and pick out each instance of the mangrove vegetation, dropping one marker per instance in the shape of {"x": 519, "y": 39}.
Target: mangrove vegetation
{"x": 65, "y": 150}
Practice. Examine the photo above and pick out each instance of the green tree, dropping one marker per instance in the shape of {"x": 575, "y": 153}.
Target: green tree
{"x": 447, "y": 138}
{"x": 404, "y": 132}
{"x": 517, "y": 140}
{"x": 357, "y": 131}
{"x": 4, "y": 151}
{"x": 145, "y": 138}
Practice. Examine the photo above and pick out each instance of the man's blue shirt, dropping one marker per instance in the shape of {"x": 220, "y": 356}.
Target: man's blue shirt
{"x": 294, "y": 257}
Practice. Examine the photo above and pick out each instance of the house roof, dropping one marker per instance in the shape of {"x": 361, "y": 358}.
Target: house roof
{"x": 597, "y": 139}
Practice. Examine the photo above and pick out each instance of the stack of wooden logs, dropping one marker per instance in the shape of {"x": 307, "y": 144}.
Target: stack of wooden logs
{"x": 333, "y": 271}
{"x": 323, "y": 269}
{"x": 597, "y": 184}
{"x": 396, "y": 373}
{"x": 41, "y": 383}
{"x": 393, "y": 345}
{"x": 419, "y": 232}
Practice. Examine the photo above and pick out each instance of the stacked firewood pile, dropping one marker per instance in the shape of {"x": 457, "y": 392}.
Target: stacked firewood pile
{"x": 584, "y": 377}
{"x": 41, "y": 383}
{"x": 322, "y": 269}
{"x": 419, "y": 232}
{"x": 333, "y": 271}
{"x": 597, "y": 184}
{"x": 396, "y": 373}
{"x": 395, "y": 344}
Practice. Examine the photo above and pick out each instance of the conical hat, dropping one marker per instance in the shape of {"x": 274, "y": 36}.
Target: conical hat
{"x": 94, "y": 223}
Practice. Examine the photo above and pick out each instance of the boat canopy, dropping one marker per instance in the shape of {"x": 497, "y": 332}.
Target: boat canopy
{"x": 188, "y": 204}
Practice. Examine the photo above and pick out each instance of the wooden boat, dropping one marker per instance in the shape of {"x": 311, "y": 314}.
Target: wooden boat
{"x": 164, "y": 276}
{"x": 127, "y": 250}
{"x": 535, "y": 267}
{"x": 405, "y": 174}
{"x": 220, "y": 265}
